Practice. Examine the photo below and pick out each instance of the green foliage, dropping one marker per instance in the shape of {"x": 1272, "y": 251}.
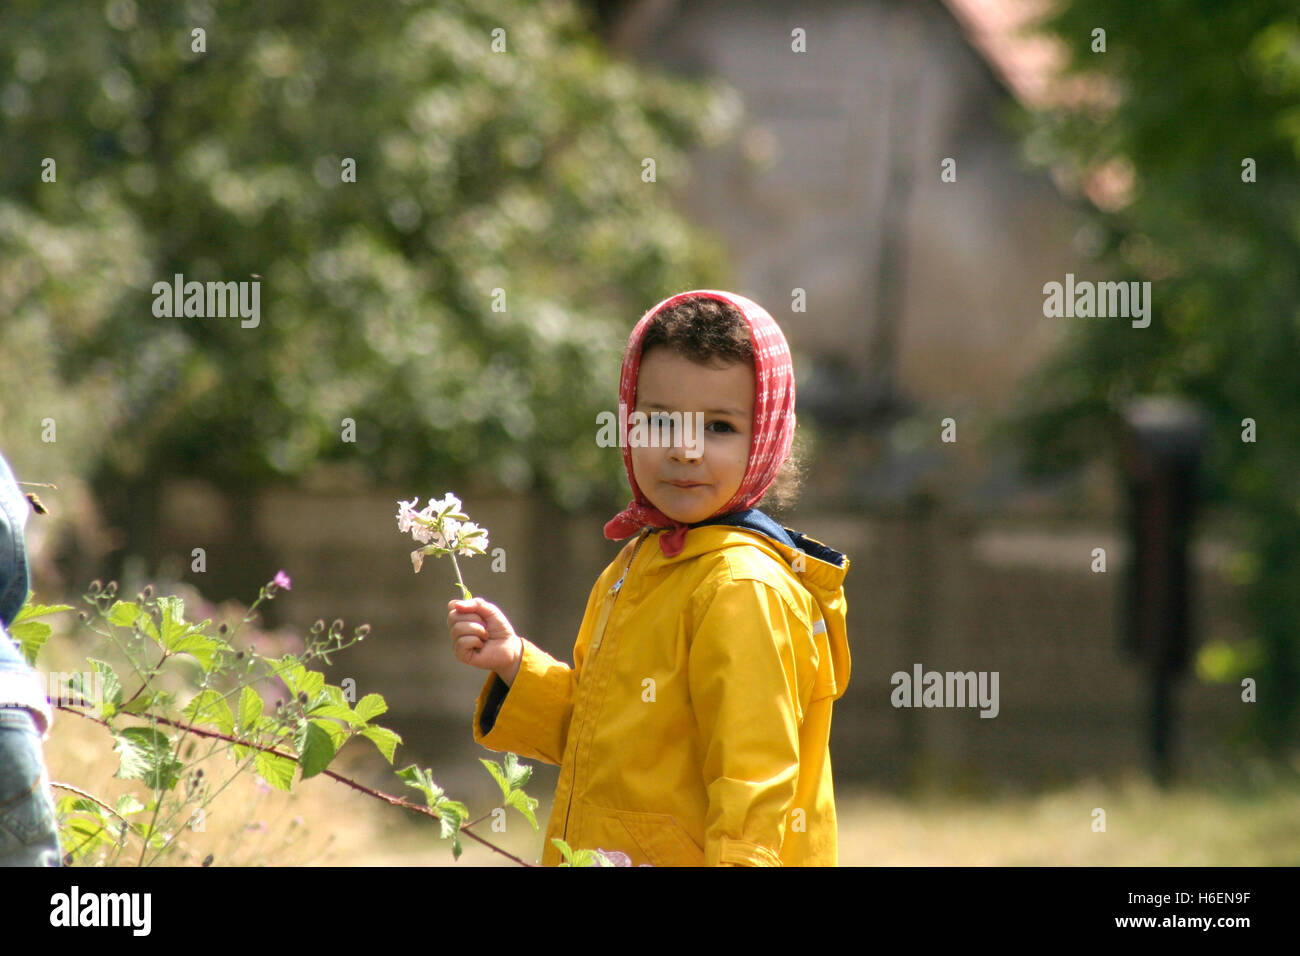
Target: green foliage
{"x": 451, "y": 813}
{"x": 511, "y": 776}
{"x": 224, "y": 712}
{"x": 475, "y": 170}
{"x": 1200, "y": 88}
{"x": 30, "y": 633}
{"x": 580, "y": 857}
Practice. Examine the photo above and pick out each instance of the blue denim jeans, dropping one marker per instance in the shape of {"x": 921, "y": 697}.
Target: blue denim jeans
{"x": 29, "y": 834}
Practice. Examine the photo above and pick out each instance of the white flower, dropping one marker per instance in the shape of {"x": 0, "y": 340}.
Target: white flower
{"x": 472, "y": 539}
{"x": 406, "y": 515}
{"x": 442, "y": 528}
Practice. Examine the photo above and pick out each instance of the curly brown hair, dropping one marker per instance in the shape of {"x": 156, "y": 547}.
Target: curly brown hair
{"x": 713, "y": 331}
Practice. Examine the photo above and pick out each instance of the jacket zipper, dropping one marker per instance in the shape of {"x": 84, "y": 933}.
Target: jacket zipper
{"x": 602, "y": 624}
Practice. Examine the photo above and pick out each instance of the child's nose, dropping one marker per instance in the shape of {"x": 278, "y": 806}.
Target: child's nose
{"x": 686, "y": 448}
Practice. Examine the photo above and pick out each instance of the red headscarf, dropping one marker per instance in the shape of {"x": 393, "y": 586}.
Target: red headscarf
{"x": 772, "y": 433}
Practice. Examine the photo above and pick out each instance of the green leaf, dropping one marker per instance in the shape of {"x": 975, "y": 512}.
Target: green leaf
{"x": 384, "y": 739}
{"x": 276, "y": 770}
{"x": 146, "y": 754}
{"x": 127, "y": 804}
{"x": 123, "y": 613}
{"x": 154, "y": 836}
{"x": 85, "y": 836}
{"x": 30, "y": 610}
{"x": 172, "y": 609}
{"x": 289, "y": 670}
{"x": 181, "y": 637}
{"x": 209, "y": 707}
{"x": 517, "y": 773}
{"x": 372, "y": 705}
{"x": 112, "y": 687}
{"x": 524, "y": 804}
{"x": 313, "y": 682}
{"x": 201, "y": 647}
{"x": 421, "y": 780}
{"x": 451, "y": 815}
{"x": 29, "y": 634}
{"x": 250, "y": 710}
{"x": 31, "y": 637}
{"x": 336, "y": 711}
{"x": 564, "y": 851}
{"x": 338, "y": 734}
{"x": 316, "y": 748}
{"x": 145, "y": 623}
{"x": 74, "y": 804}
{"x": 140, "y": 704}
{"x": 497, "y": 774}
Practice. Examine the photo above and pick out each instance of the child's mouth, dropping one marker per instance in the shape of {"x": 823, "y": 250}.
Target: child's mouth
{"x": 686, "y": 484}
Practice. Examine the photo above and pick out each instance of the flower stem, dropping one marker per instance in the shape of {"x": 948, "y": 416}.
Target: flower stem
{"x": 459, "y": 580}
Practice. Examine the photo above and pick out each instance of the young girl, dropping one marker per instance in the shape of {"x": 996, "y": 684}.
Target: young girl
{"x": 693, "y": 726}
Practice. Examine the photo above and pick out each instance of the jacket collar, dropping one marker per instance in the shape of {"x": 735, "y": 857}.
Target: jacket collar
{"x": 762, "y": 523}
{"x": 824, "y": 568}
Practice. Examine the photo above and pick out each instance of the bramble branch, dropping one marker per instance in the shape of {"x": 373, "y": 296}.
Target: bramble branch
{"x": 354, "y": 784}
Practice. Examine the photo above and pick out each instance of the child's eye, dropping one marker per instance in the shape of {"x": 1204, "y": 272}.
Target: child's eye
{"x": 661, "y": 425}
{"x": 723, "y": 426}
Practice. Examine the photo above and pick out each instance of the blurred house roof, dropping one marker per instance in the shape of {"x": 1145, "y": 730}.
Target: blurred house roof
{"x": 1032, "y": 66}
{"x": 1028, "y": 63}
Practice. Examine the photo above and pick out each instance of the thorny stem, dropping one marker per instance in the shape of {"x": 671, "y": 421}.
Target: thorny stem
{"x": 355, "y": 785}
{"x": 91, "y": 797}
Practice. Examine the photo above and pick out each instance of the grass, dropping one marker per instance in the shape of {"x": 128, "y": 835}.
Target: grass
{"x": 1144, "y": 826}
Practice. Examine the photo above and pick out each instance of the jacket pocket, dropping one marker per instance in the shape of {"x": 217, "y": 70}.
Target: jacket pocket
{"x": 655, "y": 838}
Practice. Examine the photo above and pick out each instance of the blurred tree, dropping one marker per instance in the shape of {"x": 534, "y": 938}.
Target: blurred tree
{"x": 477, "y": 169}
{"x": 1203, "y": 88}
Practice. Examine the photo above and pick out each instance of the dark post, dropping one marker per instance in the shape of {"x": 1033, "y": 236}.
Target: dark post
{"x": 1160, "y": 452}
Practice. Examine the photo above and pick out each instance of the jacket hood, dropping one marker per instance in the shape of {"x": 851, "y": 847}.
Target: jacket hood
{"x": 819, "y": 568}
{"x": 13, "y": 548}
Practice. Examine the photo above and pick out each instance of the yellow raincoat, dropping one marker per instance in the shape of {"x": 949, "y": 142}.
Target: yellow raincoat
{"x": 693, "y": 728}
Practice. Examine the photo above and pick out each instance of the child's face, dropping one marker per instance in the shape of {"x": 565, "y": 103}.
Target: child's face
{"x": 692, "y": 479}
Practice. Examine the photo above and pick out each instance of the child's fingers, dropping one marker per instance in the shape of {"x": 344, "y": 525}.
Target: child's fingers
{"x": 480, "y": 611}
{"x": 472, "y": 628}
{"x": 466, "y": 647}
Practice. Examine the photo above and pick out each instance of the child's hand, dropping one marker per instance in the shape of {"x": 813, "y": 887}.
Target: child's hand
{"x": 483, "y": 637}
